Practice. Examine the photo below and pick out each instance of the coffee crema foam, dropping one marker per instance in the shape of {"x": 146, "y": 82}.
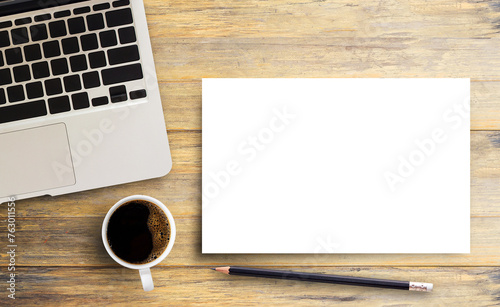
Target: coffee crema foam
{"x": 159, "y": 227}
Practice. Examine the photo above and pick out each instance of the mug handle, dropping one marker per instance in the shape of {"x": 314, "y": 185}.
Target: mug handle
{"x": 147, "y": 279}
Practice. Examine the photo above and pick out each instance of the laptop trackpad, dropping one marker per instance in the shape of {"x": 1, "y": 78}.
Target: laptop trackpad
{"x": 35, "y": 160}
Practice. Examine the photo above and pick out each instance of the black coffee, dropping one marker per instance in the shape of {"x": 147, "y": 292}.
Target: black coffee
{"x": 138, "y": 232}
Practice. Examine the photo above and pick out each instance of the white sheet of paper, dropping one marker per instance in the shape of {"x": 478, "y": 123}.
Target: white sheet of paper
{"x": 336, "y": 166}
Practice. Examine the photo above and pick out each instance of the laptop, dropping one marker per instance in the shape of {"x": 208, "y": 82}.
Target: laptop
{"x": 80, "y": 106}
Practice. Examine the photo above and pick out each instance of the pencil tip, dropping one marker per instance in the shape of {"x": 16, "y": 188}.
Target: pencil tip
{"x": 213, "y": 269}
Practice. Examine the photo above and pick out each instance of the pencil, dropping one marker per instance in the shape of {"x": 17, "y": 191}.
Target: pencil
{"x": 332, "y": 279}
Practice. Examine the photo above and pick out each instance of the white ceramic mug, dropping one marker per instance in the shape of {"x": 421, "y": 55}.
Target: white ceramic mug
{"x": 144, "y": 269}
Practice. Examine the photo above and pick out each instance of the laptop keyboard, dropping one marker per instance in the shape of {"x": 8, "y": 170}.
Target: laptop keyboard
{"x": 68, "y": 61}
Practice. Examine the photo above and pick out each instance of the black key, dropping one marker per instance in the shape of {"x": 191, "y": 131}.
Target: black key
{"x": 4, "y": 39}
{"x": 78, "y": 63}
{"x": 15, "y": 93}
{"x": 59, "y": 67}
{"x": 43, "y": 17}
{"x": 76, "y": 25}
{"x": 23, "y": 21}
{"x": 123, "y": 55}
{"x": 20, "y": 36}
{"x": 5, "y": 24}
{"x": 38, "y": 32}
{"x": 118, "y": 93}
{"x": 108, "y": 38}
{"x": 89, "y": 42}
{"x": 121, "y": 3}
{"x": 5, "y": 76}
{"x": 72, "y": 83}
{"x": 40, "y": 70}
{"x": 62, "y": 14}
{"x": 3, "y": 100}
{"x": 13, "y": 56}
{"x": 81, "y": 10}
{"x": 95, "y": 22}
{"x": 137, "y": 94}
{"x": 100, "y": 7}
{"x": 53, "y": 87}
{"x": 22, "y": 73}
{"x": 59, "y": 104}
{"x": 127, "y": 35}
{"x": 70, "y": 45}
{"x": 97, "y": 59}
{"x": 91, "y": 79}
{"x": 23, "y": 111}
{"x": 80, "y": 101}
{"x": 34, "y": 90}
{"x": 57, "y": 29}
{"x": 100, "y": 101}
{"x": 121, "y": 74}
{"x": 119, "y": 17}
{"x": 32, "y": 52}
{"x": 1, "y": 59}
{"x": 51, "y": 49}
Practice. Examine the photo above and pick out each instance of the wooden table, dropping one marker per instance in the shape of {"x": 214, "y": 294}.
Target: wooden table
{"x": 61, "y": 259}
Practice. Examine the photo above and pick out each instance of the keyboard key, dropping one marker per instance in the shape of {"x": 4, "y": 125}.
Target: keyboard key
{"x": 62, "y": 14}
{"x": 108, "y": 38}
{"x": 137, "y": 94}
{"x": 119, "y": 17}
{"x": 100, "y": 7}
{"x": 97, "y": 59}
{"x": 59, "y": 67}
{"x": 5, "y": 76}
{"x": 22, "y": 73}
{"x": 51, "y": 49}
{"x": 91, "y": 80}
{"x": 43, "y": 17}
{"x": 3, "y": 99}
{"x": 70, "y": 45}
{"x": 72, "y": 83}
{"x": 19, "y": 36}
{"x": 76, "y": 25}
{"x": 121, "y": 3}
{"x": 80, "y": 101}
{"x": 59, "y": 105}
{"x": 13, "y": 56}
{"x": 57, "y": 29}
{"x": 118, "y": 93}
{"x": 23, "y": 111}
{"x": 40, "y": 70}
{"x": 100, "y": 101}
{"x": 32, "y": 52}
{"x": 89, "y": 42}
{"x": 34, "y": 90}
{"x": 127, "y": 35}
{"x": 81, "y": 10}
{"x": 1, "y": 59}
{"x": 15, "y": 93}
{"x": 4, "y": 39}
{"x": 123, "y": 55}
{"x": 5, "y": 24}
{"x": 53, "y": 87}
{"x": 23, "y": 21}
{"x": 95, "y": 22}
{"x": 78, "y": 63}
{"x": 121, "y": 74}
{"x": 38, "y": 32}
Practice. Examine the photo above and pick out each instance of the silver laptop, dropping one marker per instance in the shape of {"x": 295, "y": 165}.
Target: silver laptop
{"x": 79, "y": 102}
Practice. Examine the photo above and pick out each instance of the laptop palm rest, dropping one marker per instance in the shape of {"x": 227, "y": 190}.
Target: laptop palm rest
{"x": 34, "y": 160}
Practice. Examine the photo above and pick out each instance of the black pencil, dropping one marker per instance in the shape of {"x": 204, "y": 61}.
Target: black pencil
{"x": 332, "y": 279}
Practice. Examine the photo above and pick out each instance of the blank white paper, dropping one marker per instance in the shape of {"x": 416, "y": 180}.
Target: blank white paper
{"x": 336, "y": 166}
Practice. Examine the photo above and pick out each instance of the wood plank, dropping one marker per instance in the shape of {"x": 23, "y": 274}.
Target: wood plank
{"x": 77, "y": 242}
{"x": 182, "y": 105}
{"x": 299, "y": 18}
{"x": 70, "y": 286}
